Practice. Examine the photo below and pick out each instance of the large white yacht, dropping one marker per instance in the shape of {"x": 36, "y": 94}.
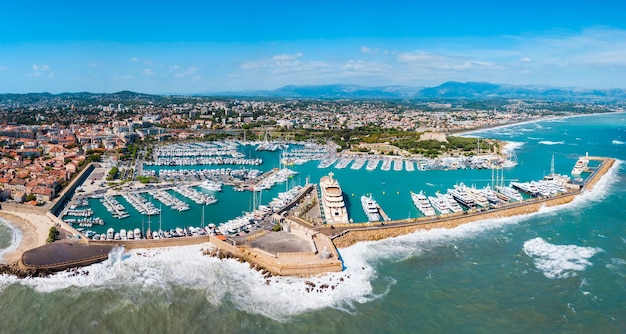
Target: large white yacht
{"x": 371, "y": 208}
{"x": 440, "y": 204}
{"x": 580, "y": 166}
{"x": 332, "y": 200}
{"x": 460, "y": 194}
{"x": 422, "y": 204}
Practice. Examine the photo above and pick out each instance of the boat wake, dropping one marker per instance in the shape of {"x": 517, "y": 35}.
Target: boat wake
{"x": 559, "y": 261}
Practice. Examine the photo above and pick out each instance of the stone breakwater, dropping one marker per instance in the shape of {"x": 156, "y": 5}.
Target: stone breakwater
{"x": 351, "y": 236}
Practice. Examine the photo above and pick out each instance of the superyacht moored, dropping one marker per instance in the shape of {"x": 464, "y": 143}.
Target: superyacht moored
{"x": 370, "y": 208}
{"x": 422, "y": 204}
{"x": 332, "y": 200}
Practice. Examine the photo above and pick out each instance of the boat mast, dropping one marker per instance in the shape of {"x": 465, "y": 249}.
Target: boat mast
{"x": 552, "y": 166}
{"x": 203, "y": 217}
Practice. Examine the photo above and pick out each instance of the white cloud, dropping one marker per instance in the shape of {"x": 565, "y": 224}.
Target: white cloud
{"x": 426, "y": 60}
{"x": 4, "y": 68}
{"x": 148, "y": 72}
{"x": 93, "y": 64}
{"x": 134, "y": 59}
{"x": 365, "y": 67}
{"x": 525, "y": 60}
{"x": 276, "y": 62}
{"x": 367, "y": 50}
{"x": 187, "y": 72}
{"x": 38, "y": 70}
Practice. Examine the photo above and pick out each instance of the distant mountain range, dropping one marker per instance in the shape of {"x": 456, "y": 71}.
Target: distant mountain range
{"x": 448, "y": 90}
{"x": 451, "y": 89}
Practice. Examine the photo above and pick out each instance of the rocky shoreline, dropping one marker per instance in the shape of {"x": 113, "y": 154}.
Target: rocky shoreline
{"x": 14, "y": 269}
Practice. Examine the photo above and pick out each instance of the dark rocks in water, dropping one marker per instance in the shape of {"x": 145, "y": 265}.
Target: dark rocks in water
{"x": 14, "y": 269}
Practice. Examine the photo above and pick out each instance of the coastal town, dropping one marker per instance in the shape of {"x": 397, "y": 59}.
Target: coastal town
{"x": 47, "y": 140}
{"x": 47, "y": 165}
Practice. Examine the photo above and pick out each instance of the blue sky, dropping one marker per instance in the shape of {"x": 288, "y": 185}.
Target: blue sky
{"x": 200, "y": 46}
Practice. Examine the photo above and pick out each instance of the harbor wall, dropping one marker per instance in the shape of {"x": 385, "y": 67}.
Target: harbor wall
{"x": 353, "y": 235}
{"x": 152, "y": 243}
{"x": 60, "y": 266}
{"x": 66, "y": 194}
{"x": 282, "y": 264}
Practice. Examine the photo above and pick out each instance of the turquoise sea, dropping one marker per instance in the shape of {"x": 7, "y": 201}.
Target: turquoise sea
{"x": 560, "y": 270}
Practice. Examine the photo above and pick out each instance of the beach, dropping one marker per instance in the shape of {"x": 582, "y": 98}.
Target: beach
{"x": 34, "y": 230}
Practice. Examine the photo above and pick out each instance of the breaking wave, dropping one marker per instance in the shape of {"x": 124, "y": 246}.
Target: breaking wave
{"x": 559, "y": 261}
{"x": 617, "y": 142}
{"x": 16, "y": 238}
{"x": 280, "y": 298}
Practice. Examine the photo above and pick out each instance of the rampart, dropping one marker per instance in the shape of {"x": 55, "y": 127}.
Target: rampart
{"x": 371, "y": 232}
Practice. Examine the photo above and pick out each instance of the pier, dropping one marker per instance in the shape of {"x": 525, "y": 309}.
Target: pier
{"x": 382, "y": 213}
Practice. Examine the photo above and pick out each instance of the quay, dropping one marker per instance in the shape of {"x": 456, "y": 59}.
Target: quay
{"x": 302, "y": 248}
{"x": 382, "y": 213}
{"x": 345, "y": 235}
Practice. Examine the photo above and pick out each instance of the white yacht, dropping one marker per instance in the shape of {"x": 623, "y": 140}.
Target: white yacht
{"x": 332, "y": 200}
{"x": 460, "y": 194}
{"x": 580, "y": 166}
{"x": 440, "y": 204}
{"x": 422, "y": 204}
{"x": 110, "y": 233}
{"x": 452, "y": 204}
{"x": 211, "y": 185}
{"x": 371, "y": 208}
{"x": 510, "y": 193}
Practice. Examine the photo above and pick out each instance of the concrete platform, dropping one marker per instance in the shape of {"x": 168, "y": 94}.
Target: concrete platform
{"x": 282, "y": 242}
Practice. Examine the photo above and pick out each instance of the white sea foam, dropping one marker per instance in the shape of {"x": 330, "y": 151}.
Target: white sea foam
{"x": 548, "y": 142}
{"x": 510, "y": 146}
{"x": 559, "y": 261}
{"x": 15, "y": 241}
{"x": 141, "y": 271}
{"x": 247, "y": 289}
{"x": 617, "y": 142}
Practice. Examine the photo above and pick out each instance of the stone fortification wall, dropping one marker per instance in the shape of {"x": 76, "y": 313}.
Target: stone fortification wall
{"x": 353, "y": 236}
{"x": 66, "y": 194}
{"x": 371, "y": 233}
{"x": 153, "y": 243}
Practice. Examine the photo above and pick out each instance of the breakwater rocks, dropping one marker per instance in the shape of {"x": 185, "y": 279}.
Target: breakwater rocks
{"x": 14, "y": 269}
{"x": 224, "y": 254}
